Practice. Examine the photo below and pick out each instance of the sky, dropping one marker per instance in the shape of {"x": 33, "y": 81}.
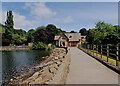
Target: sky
{"x": 65, "y": 15}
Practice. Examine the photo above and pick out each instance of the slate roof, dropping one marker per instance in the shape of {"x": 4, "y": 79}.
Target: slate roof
{"x": 71, "y": 36}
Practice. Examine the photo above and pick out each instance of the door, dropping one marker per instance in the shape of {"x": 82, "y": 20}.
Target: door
{"x": 63, "y": 43}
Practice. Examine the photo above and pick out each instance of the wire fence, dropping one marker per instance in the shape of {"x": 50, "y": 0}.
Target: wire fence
{"x": 109, "y": 53}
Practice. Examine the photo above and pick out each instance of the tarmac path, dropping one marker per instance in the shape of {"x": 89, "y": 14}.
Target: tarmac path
{"x": 86, "y": 70}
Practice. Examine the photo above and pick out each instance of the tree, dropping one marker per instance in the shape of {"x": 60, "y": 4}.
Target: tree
{"x": 9, "y": 25}
{"x": 52, "y": 28}
{"x": 44, "y": 36}
{"x": 20, "y": 32}
{"x": 94, "y": 36}
{"x": 104, "y": 34}
{"x": 2, "y": 28}
{"x": 5, "y": 41}
{"x": 41, "y": 27}
{"x": 83, "y": 31}
{"x": 18, "y": 40}
{"x": 111, "y": 39}
{"x": 72, "y": 31}
{"x": 31, "y": 36}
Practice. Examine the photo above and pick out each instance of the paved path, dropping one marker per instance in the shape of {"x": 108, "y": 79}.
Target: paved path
{"x": 86, "y": 70}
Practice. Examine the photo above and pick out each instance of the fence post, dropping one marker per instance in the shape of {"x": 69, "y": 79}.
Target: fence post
{"x": 93, "y": 49}
{"x": 88, "y": 48}
{"x": 107, "y": 52}
{"x": 117, "y": 54}
{"x": 101, "y": 51}
{"x": 96, "y": 50}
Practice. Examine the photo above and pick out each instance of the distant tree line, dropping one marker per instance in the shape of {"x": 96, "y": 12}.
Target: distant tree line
{"x": 103, "y": 33}
{"x": 10, "y": 35}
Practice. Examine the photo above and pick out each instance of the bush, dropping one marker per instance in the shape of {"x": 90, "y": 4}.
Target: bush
{"x": 50, "y": 48}
{"x": 39, "y": 46}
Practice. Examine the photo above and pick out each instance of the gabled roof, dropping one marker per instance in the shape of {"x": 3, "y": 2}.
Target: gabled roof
{"x": 70, "y": 36}
{"x": 73, "y": 36}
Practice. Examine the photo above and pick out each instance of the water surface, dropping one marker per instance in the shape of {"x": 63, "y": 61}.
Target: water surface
{"x": 14, "y": 61}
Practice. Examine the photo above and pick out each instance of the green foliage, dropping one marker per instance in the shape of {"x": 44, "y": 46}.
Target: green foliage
{"x": 39, "y": 46}
{"x": 41, "y": 27}
{"x": 9, "y": 21}
{"x": 31, "y": 36}
{"x": 19, "y": 36}
{"x": 50, "y": 48}
{"x": 9, "y": 25}
{"x": 104, "y": 33}
{"x": 17, "y": 39}
{"x": 55, "y": 31}
{"x": 2, "y": 28}
{"x": 83, "y": 31}
{"x": 20, "y": 32}
{"x": 10, "y": 44}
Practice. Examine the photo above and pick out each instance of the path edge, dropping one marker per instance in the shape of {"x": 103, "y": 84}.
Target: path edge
{"x": 62, "y": 73}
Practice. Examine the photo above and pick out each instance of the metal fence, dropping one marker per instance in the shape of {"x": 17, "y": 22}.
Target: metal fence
{"x": 109, "y": 53}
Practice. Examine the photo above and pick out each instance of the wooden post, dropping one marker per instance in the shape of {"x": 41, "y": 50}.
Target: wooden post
{"x": 93, "y": 49}
{"x": 117, "y": 54}
{"x": 96, "y": 50}
{"x": 101, "y": 51}
{"x": 107, "y": 52}
{"x": 88, "y": 48}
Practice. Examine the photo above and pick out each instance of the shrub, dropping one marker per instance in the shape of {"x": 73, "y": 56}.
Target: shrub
{"x": 52, "y": 47}
{"x": 39, "y": 46}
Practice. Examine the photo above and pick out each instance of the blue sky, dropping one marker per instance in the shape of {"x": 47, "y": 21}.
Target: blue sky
{"x": 65, "y": 15}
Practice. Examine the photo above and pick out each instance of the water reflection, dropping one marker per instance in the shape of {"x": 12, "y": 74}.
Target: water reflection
{"x": 13, "y": 61}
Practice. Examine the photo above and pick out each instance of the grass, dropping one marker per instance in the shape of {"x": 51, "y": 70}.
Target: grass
{"x": 96, "y": 53}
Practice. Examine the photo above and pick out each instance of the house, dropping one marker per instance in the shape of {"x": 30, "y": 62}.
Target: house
{"x": 68, "y": 40}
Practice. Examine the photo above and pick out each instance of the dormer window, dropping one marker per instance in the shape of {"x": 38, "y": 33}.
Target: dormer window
{"x": 70, "y": 36}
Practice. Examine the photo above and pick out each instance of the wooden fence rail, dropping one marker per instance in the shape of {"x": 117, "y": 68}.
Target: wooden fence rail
{"x": 109, "y": 52}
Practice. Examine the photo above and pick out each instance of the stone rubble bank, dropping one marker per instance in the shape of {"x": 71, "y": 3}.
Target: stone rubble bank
{"x": 46, "y": 72}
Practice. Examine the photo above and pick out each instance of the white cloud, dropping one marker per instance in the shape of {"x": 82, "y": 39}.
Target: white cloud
{"x": 68, "y": 19}
{"x": 90, "y": 27}
{"x": 39, "y": 9}
{"x": 4, "y": 16}
{"x": 20, "y": 21}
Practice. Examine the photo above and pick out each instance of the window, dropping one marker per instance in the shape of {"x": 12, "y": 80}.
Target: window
{"x": 70, "y": 36}
{"x": 63, "y": 38}
{"x": 70, "y": 44}
{"x": 57, "y": 43}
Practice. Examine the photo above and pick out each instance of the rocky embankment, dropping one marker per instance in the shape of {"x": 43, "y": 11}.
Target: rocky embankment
{"x": 49, "y": 71}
